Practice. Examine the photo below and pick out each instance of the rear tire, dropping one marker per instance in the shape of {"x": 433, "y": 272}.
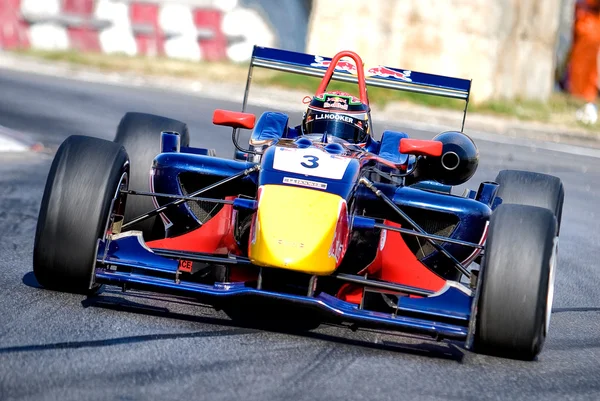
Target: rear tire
{"x": 140, "y": 134}
{"x": 534, "y": 189}
{"x": 516, "y": 283}
{"x": 82, "y": 182}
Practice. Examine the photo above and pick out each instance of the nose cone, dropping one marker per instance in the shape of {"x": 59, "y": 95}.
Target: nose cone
{"x": 299, "y": 229}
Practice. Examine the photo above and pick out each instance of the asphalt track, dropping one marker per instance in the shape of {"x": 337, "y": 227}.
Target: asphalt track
{"x": 143, "y": 346}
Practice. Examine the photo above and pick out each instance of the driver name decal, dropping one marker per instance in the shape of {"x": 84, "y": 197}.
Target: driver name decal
{"x": 332, "y": 116}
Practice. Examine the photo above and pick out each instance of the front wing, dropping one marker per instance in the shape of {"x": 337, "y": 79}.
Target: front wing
{"x": 127, "y": 261}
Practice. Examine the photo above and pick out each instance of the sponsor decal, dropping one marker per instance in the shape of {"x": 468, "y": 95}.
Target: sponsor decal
{"x": 185, "y": 265}
{"x": 340, "y": 237}
{"x": 254, "y": 226}
{"x": 292, "y": 244}
{"x": 348, "y": 66}
{"x": 304, "y": 183}
{"x": 336, "y": 102}
{"x": 382, "y": 239}
{"x": 385, "y": 72}
{"x": 353, "y": 100}
{"x": 342, "y": 65}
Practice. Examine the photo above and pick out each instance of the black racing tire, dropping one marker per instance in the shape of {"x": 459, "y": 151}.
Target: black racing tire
{"x": 140, "y": 134}
{"x": 516, "y": 283}
{"x": 82, "y": 182}
{"x": 534, "y": 189}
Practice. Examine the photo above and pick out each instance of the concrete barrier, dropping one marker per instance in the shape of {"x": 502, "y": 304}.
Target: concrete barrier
{"x": 506, "y": 46}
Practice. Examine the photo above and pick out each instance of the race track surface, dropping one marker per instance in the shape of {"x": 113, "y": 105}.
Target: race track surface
{"x": 144, "y": 346}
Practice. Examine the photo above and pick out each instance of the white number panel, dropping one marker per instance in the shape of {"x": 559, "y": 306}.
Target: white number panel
{"x": 310, "y": 161}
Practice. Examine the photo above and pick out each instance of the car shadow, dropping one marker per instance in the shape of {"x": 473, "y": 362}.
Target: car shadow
{"x": 447, "y": 350}
{"x": 122, "y": 340}
{"x": 108, "y": 299}
{"x": 121, "y": 304}
{"x": 451, "y": 351}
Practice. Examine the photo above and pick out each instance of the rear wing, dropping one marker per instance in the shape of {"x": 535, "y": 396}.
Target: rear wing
{"x": 346, "y": 71}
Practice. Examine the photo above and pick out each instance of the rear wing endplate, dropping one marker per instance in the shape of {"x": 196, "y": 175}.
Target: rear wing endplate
{"x": 345, "y": 71}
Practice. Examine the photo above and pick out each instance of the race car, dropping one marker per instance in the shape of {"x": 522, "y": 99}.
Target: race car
{"x": 313, "y": 223}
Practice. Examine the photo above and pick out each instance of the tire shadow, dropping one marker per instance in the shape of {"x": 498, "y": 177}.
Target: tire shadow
{"x": 30, "y": 281}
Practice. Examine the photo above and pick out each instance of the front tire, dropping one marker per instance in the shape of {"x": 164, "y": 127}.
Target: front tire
{"x": 83, "y": 180}
{"x": 516, "y": 282}
{"x": 139, "y": 134}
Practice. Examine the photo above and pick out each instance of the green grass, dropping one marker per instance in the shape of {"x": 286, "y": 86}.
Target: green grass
{"x": 559, "y": 109}
{"x": 156, "y": 66}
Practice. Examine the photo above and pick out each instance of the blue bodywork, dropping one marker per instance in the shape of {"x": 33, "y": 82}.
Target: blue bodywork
{"x": 127, "y": 261}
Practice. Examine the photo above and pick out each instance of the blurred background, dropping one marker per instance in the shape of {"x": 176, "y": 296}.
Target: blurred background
{"x": 77, "y": 66}
{"x": 525, "y": 51}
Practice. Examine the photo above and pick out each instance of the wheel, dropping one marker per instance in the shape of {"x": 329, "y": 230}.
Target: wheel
{"x": 83, "y": 180}
{"x": 140, "y": 134}
{"x": 534, "y": 189}
{"x": 516, "y": 283}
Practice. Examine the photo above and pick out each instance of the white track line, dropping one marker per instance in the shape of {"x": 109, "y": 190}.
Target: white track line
{"x": 8, "y": 142}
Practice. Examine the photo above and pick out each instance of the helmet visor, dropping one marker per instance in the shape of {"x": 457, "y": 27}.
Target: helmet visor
{"x": 338, "y": 125}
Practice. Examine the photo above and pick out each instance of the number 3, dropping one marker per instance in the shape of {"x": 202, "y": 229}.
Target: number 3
{"x": 312, "y": 160}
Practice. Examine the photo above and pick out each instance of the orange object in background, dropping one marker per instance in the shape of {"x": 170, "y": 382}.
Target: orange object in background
{"x": 583, "y": 60}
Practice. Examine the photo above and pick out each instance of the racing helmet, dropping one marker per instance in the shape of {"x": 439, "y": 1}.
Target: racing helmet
{"x": 338, "y": 114}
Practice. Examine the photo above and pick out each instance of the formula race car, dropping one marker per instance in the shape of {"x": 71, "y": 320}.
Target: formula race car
{"x": 313, "y": 223}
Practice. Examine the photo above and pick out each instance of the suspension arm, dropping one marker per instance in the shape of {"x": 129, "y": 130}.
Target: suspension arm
{"x": 459, "y": 266}
{"x": 181, "y": 200}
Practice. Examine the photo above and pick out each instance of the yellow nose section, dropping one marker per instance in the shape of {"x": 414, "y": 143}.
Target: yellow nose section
{"x": 295, "y": 229}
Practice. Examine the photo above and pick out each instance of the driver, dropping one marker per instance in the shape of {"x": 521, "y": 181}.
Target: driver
{"x": 338, "y": 114}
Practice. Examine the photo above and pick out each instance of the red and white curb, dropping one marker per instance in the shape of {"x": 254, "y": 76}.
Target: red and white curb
{"x": 12, "y": 141}
{"x": 193, "y": 30}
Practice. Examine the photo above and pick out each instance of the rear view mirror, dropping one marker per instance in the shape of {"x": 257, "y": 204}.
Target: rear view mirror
{"x": 234, "y": 119}
{"x": 419, "y": 147}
